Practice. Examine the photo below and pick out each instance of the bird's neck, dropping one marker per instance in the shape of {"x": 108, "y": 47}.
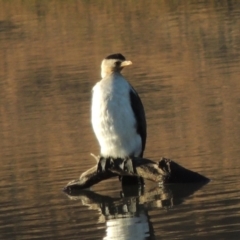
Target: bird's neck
{"x": 105, "y": 73}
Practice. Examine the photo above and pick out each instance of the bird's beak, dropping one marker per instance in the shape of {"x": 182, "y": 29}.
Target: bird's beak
{"x": 126, "y": 63}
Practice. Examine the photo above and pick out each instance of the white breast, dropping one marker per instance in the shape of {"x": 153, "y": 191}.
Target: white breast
{"x": 113, "y": 119}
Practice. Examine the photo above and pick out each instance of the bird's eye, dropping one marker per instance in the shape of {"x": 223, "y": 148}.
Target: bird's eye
{"x": 117, "y": 63}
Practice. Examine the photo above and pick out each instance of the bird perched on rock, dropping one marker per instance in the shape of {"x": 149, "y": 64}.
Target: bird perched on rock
{"x": 118, "y": 116}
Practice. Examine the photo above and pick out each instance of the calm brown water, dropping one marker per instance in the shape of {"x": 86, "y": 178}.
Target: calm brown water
{"x": 186, "y": 57}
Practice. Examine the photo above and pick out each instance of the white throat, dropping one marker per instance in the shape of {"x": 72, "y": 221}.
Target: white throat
{"x": 107, "y": 67}
{"x": 104, "y": 72}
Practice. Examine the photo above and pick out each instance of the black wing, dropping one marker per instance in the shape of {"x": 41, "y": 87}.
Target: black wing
{"x": 139, "y": 113}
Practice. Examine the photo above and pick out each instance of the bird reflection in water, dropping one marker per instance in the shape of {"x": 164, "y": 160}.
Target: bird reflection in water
{"x": 127, "y": 217}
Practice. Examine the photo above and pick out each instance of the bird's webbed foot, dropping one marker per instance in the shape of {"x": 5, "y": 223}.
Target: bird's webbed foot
{"x": 104, "y": 164}
{"x": 127, "y": 166}
{"x": 124, "y": 166}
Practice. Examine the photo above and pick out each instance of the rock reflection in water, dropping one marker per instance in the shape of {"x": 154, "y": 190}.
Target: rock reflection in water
{"x": 126, "y": 216}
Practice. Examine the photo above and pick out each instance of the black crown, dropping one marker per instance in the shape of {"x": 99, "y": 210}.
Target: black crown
{"x": 117, "y": 56}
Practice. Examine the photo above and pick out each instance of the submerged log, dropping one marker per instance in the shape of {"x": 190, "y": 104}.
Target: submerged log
{"x": 165, "y": 171}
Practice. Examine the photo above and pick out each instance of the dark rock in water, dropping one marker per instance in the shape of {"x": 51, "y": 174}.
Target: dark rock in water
{"x": 179, "y": 174}
{"x": 166, "y": 171}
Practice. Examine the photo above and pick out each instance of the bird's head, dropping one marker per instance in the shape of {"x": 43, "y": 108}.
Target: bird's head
{"x": 113, "y": 63}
